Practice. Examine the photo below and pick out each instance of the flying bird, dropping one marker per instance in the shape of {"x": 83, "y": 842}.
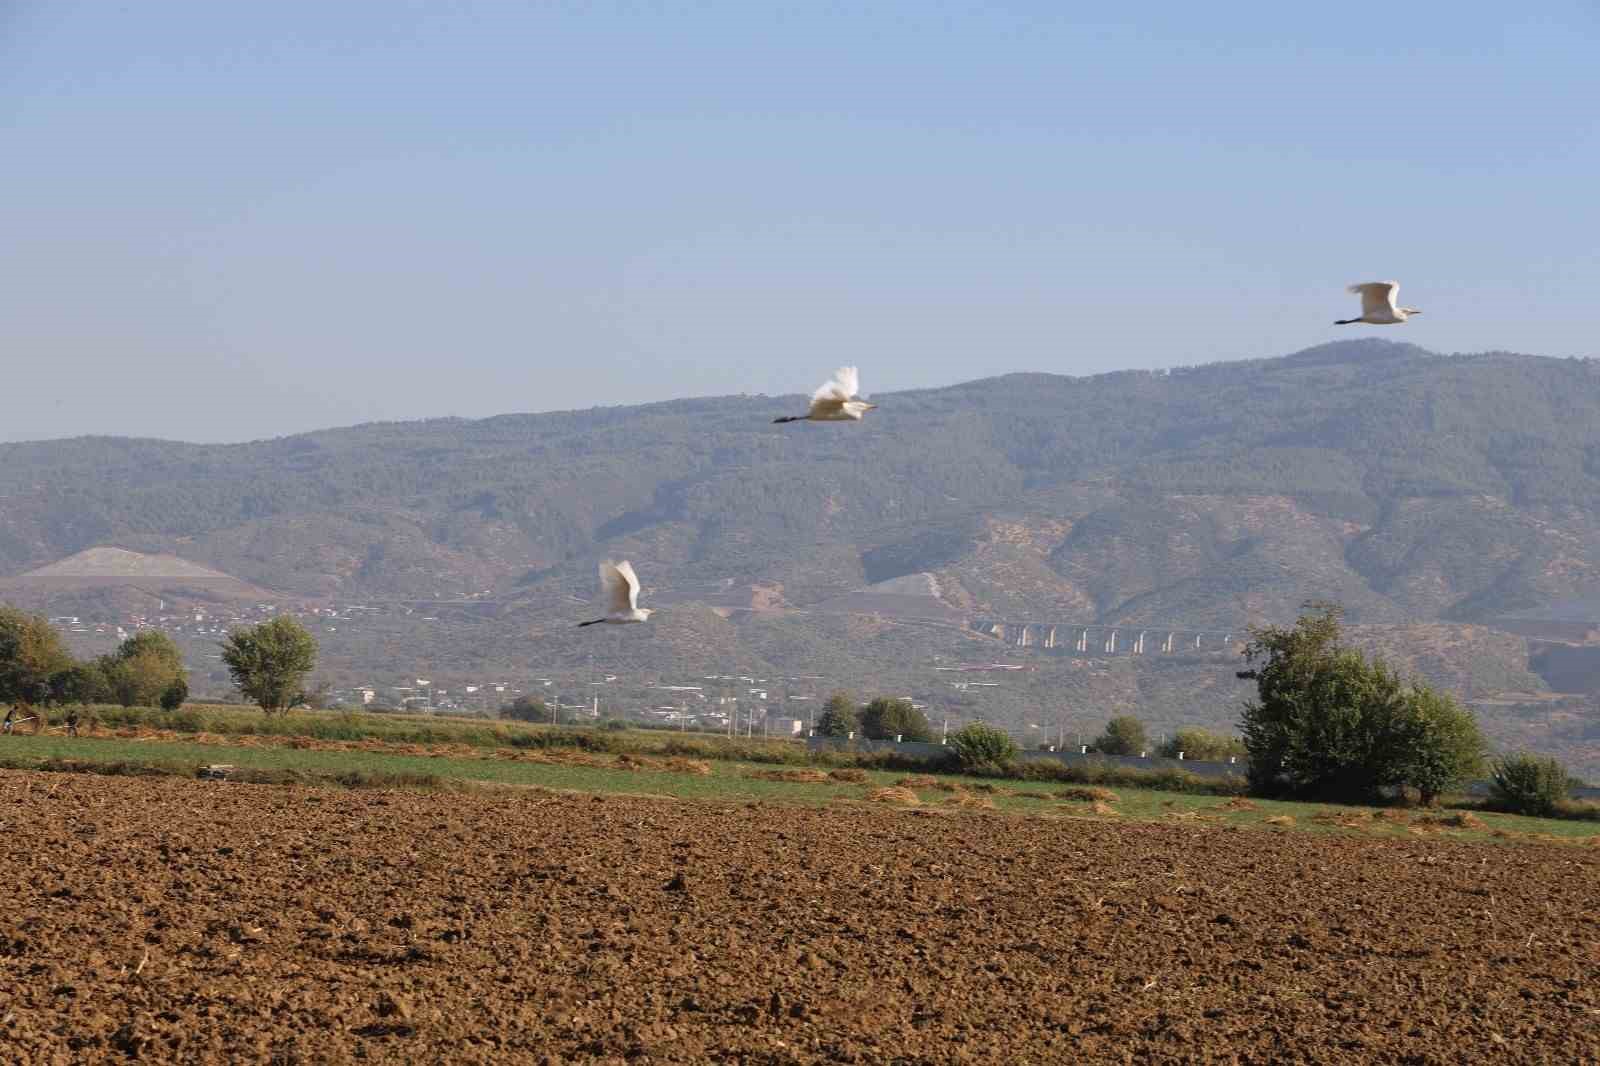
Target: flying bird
{"x": 619, "y": 586}
{"x": 836, "y": 401}
{"x": 1377, "y": 304}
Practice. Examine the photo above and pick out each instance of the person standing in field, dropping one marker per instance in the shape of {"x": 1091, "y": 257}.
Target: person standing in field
{"x": 72, "y": 721}
{"x": 11, "y": 717}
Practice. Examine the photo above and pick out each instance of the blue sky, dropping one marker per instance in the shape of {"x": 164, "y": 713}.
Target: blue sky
{"x": 230, "y": 221}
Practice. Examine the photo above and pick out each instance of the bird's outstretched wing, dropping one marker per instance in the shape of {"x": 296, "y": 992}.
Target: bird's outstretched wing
{"x": 1376, "y": 296}
{"x": 618, "y": 586}
{"x": 842, "y": 386}
{"x": 630, "y": 579}
{"x": 832, "y": 395}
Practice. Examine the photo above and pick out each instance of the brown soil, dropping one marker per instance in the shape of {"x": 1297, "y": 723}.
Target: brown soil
{"x": 185, "y": 921}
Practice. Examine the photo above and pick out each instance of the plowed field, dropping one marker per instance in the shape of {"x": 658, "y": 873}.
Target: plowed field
{"x": 180, "y": 921}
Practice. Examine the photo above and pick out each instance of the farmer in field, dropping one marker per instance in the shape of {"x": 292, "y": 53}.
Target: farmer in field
{"x": 72, "y": 721}
{"x": 11, "y": 717}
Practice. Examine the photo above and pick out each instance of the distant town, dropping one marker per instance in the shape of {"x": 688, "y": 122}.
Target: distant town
{"x": 746, "y": 704}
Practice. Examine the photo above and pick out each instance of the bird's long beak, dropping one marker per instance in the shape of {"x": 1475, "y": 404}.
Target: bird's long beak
{"x": 872, "y": 407}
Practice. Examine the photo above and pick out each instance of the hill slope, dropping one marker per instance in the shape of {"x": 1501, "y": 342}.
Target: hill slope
{"x": 1411, "y": 487}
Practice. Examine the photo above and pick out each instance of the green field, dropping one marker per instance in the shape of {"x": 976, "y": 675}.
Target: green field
{"x": 232, "y": 720}
{"x": 729, "y": 781}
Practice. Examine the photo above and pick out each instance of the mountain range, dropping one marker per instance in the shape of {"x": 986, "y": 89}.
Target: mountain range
{"x": 1432, "y": 496}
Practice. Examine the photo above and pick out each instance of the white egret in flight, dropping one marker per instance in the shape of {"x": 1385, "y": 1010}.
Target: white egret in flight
{"x": 1377, "y": 304}
{"x": 836, "y": 401}
{"x": 619, "y": 588}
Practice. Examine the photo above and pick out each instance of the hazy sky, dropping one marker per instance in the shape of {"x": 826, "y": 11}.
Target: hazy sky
{"x": 224, "y": 221}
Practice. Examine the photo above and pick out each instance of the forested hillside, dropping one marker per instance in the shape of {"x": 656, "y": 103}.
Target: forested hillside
{"x": 1408, "y": 485}
{"x": 1413, "y": 488}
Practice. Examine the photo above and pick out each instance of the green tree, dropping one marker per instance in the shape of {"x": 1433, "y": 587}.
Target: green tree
{"x": 1124, "y": 735}
{"x": 80, "y": 683}
{"x": 30, "y": 655}
{"x": 1438, "y": 745}
{"x": 838, "y": 718}
{"x": 1200, "y": 744}
{"x": 526, "y": 709}
{"x": 1327, "y": 721}
{"x": 268, "y": 662}
{"x": 139, "y": 680}
{"x": 142, "y": 668}
{"x": 885, "y": 719}
{"x": 173, "y": 695}
{"x": 982, "y": 747}
{"x": 153, "y": 643}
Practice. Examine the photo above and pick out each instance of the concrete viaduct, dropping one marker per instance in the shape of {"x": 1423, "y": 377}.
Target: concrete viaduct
{"x": 1101, "y": 639}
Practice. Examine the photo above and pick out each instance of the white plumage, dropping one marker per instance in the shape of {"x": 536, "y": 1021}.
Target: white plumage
{"x": 619, "y": 595}
{"x": 836, "y": 400}
{"x": 1378, "y": 306}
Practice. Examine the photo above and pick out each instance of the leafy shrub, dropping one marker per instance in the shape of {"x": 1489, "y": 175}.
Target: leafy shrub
{"x": 184, "y": 721}
{"x": 1527, "y": 784}
{"x": 885, "y": 719}
{"x": 526, "y": 709}
{"x": 1577, "y": 811}
{"x": 1201, "y": 744}
{"x": 982, "y": 747}
{"x": 1124, "y": 735}
{"x": 173, "y": 695}
{"x": 839, "y": 717}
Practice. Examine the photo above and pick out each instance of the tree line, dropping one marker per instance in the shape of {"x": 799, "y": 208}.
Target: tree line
{"x": 883, "y": 718}
{"x": 268, "y": 664}
{"x": 1327, "y": 722}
